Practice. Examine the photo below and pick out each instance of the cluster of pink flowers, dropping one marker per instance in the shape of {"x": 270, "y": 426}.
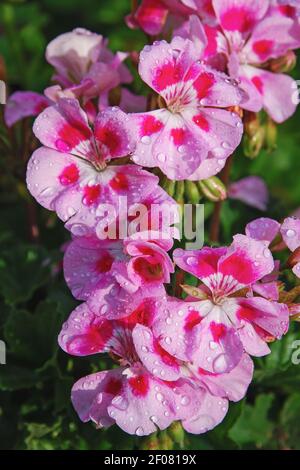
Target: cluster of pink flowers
{"x": 178, "y": 360}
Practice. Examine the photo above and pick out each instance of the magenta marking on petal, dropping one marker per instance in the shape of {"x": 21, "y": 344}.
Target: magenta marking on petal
{"x": 203, "y": 84}
{"x": 237, "y": 19}
{"x": 169, "y": 74}
{"x": 201, "y": 122}
{"x": 62, "y": 146}
{"x": 69, "y": 175}
{"x": 218, "y": 331}
{"x": 258, "y": 83}
{"x": 178, "y": 135}
{"x": 139, "y": 385}
{"x": 150, "y": 125}
{"x": 263, "y": 48}
{"x": 91, "y": 194}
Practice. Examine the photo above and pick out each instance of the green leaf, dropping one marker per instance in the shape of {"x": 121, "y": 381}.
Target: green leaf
{"x": 15, "y": 378}
{"x": 32, "y": 338}
{"x": 23, "y": 269}
{"x": 289, "y": 421}
{"x": 254, "y": 426}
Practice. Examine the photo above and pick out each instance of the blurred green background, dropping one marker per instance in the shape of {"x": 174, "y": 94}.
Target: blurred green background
{"x": 35, "y": 409}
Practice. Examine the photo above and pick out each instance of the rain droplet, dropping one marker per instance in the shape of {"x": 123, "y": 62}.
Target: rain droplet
{"x": 146, "y": 139}
{"x": 226, "y": 145}
{"x": 213, "y": 345}
{"x": 161, "y": 157}
{"x": 139, "y": 431}
{"x": 185, "y": 400}
{"x": 290, "y": 233}
{"x": 220, "y": 364}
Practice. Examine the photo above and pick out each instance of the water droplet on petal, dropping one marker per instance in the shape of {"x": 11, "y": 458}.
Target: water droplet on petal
{"x": 213, "y": 345}
{"x": 226, "y": 145}
{"x": 161, "y": 157}
{"x": 185, "y": 400}
{"x": 146, "y": 139}
{"x": 220, "y": 364}
{"x": 139, "y": 431}
{"x": 290, "y": 233}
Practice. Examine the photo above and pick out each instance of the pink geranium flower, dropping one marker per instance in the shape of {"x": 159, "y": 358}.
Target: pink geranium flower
{"x": 81, "y": 56}
{"x": 135, "y": 263}
{"x": 70, "y": 175}
{"x": 154, "y": 16}
{"x": 192, "y": 134}
{"x": 249, "y": 34}
{"x": 267, "y": 229}
{"x": 84, "y": 69}
{"x": 226, "y": 321}
{"x": 151, "y": 388}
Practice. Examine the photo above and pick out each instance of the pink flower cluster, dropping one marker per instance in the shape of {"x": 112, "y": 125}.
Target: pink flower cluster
{"x": 178, "y": 360}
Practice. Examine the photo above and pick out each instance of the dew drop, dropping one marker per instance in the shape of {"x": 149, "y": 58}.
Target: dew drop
{"x": 139, "y": 431}
{"x": 213, "y": 345}
{"x": 226, "y": 145}
{"x": 290, "y": 233}
{"x": 146, "y": 139}
{"x": 185, "y": 400}
{"x": 161, "y": 157}
{"x": 220, "y": 364}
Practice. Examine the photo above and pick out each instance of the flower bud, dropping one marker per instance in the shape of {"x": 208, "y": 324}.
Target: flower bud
{"x": 251, "y": 123}
{"x": 191, "y": 191}
{"x": 177, "y": 433}
{"x": 179, "y": 191}
{"x": 150, "y": 443}
{"x": 169, "y": 186}
{"x": 165, "y": 441}
{"x": 252, "y": 145}
{"x": 283, "y": 64}
{"x": 271, "y": 135}
{"x": 213, "y": 189}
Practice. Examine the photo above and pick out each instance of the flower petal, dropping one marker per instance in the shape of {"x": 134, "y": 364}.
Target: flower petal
{"x": 22, "y": 104}
{"x": 251, "y": 190}
{"x": 92, "y": 394}
{"x": 272, "y": 317}
{"x": 263, "y": 228}
{"x": 231, "y": 385}
{"x": 211, "y": 412}
{"x": 64, "y": 127}
{"x": 112, "y": 133}
{"x": 290, "y": 231}
{"x": 278, "y": 91}
{"x": 156, "y": 359}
